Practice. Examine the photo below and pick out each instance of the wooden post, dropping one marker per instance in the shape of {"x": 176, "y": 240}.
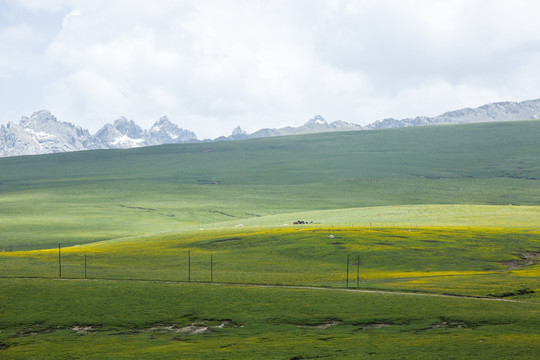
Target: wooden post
{"x": 347, "y": 270}
{"x": 211, "y": 268}
{"x": 358, "y": 271}
{"x": 189, "y": 265}
{"x": 85, "y": 266}
{"x": 59, "y": 263}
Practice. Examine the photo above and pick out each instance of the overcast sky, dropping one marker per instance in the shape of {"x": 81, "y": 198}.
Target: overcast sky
{"x": 213, "y": 65}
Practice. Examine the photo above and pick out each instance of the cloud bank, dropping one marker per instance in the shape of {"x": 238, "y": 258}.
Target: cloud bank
{"x": 213, "y": 65}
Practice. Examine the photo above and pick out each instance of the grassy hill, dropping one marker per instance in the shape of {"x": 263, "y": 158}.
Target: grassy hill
{"x": 76, "y": 198}
{"x": 492, "y": 150}
{"x": 421, "y": 243}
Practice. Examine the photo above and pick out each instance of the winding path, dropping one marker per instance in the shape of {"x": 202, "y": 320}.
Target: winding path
{"x": 294, "y": 287}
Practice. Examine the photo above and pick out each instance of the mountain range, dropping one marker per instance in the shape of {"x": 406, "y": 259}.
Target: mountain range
{"x": 42, "y": 133}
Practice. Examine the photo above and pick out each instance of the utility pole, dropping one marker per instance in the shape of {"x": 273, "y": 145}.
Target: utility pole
{"x": 347, "y": 270}
{"x": 59, "y": 262}
{"x": 358, "y": 271}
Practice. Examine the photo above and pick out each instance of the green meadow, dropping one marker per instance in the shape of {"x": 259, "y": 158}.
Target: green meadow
{"x": 146, "y": 320}
{"x": 77, "y": 198}
{"x": 416, "y": 243}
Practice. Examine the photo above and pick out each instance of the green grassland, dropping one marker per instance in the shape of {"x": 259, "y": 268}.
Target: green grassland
{"x": 76, "y": 198}
{"x": 481, "y": 262}
{"x": 145, "y": 320}
{"x": 445, "y": 221}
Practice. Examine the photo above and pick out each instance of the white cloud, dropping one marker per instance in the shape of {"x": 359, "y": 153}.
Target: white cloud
{"x": 14, "y": 42}
{"x": 40, "y": 5}
{"x": 213, "y": 65}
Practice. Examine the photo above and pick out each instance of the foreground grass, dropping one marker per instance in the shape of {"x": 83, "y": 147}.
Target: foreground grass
{"x": 121, "y": 320}
{"x": 423, "y": 210}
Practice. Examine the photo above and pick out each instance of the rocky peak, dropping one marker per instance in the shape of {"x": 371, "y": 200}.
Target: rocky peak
{"x": 42, "y": 133}
{"x": 163, "y": 125}
{"x": 340, "y": 124}
{"x": 38, "y": 120}
{"x": 164, "y": 120}
{"x": 128, "y": 128}
{"x": 165, "y": 131}
{"x": 238, "y": 131}
{"x": 317, "y": 122}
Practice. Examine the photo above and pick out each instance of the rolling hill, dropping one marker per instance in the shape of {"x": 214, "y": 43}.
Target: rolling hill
{"x": 90, "y": 196}
{"x": 419, "y": 243}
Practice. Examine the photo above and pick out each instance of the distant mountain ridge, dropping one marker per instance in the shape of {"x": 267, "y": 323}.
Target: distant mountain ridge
{"x": 124, "y": 134}
{"x": 315, "y": 125}
{"x": 500, "y": 111}
{"x": 42, "y": 133}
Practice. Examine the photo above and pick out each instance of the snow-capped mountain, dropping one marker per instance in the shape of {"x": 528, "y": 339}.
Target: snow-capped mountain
{"x": 42, "y": 133}
{"x": 122, "y": 134}
{"x": 315, "y": 125}
{"x": 500, "y": 111}
{"x": 165, "y": 132}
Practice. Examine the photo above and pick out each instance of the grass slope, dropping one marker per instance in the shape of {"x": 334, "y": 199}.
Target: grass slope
{"x": 493, "y": 262}
{"x": 145, "y": 320}
{"x": 76, "y": 198}
{"x": 424, "y": 210}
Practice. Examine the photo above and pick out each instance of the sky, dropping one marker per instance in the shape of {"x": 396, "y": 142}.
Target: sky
{"x": 212, "y": 65}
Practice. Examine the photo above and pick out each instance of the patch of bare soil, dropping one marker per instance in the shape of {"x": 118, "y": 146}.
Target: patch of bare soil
{"x": 33, "y": 332}
{"x": 525, "y": 259}
{"x": 374, "y": 326}
{"x": 446, "y": 323}
{"x": 226, "y": 323}
{"x": 449, "y": 325}
{"x": 197, "y": 328}
{"x": 82, "y": 330}
{"x": 320, "y": 326}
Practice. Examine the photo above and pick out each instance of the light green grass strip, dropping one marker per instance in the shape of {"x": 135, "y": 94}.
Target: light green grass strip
{"x": 526, "y": 217}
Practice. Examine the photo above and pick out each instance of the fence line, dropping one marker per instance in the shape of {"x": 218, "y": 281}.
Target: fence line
{"x": 111, "y": 267}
